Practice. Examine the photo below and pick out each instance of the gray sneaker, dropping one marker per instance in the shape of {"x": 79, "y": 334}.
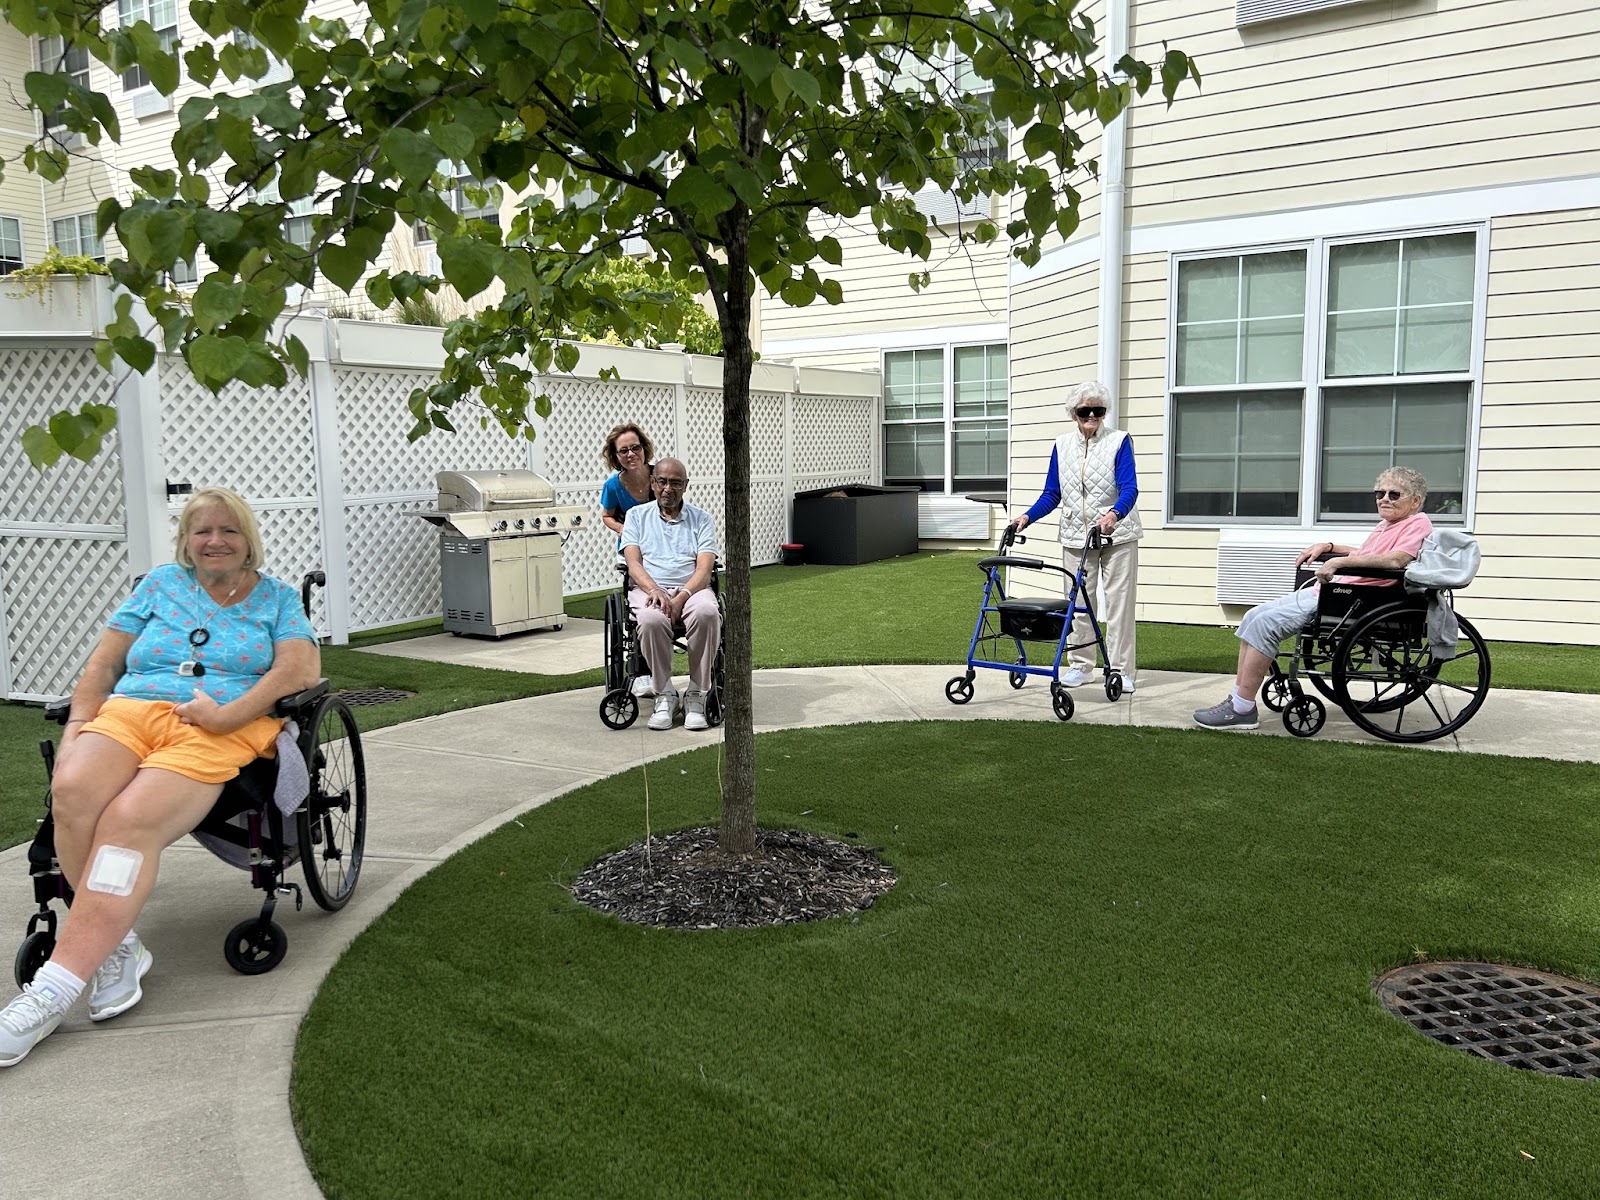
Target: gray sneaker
{"x": 27, "y": 1021}
{"x": 694, "y": 710}
{"x": 116, "y": 986}
{"x": 1222, "y": 716}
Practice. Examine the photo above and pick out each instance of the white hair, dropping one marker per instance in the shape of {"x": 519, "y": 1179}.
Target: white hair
{"x": 1093, "y": 393}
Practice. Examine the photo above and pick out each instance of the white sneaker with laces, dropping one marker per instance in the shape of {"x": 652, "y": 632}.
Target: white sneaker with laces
{"x": 27, "y": 1021}
{"x": 116, "y": 986}
{"x": 666, "y": 709}
{"x": 694, "y": 710}
{"x": 1075, "y": 677}
{"x": 644, "y": 686}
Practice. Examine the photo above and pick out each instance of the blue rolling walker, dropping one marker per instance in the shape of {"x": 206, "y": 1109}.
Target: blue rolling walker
{"x": 1004, "y": 623}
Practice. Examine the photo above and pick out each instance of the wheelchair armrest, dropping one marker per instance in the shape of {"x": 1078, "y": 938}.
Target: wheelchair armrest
{"x": 1010, "y": 560}
{"x": 58, "y": 710}
{"x": 1373, "y": 573}
{"x": 289, "y": 706}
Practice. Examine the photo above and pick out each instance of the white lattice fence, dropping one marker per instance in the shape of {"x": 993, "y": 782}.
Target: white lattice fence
{"x": 833, "y": 440}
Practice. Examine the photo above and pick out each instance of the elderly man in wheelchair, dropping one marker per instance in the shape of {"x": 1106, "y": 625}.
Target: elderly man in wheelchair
{"x": 178, "y": 696}
{"x": 669, "y": 550}
{"x": 1363, "y": 642}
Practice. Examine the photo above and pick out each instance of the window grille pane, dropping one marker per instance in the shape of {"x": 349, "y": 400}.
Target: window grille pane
{"x": 1273, "y": 349}
{"x": 1208, "y": 354}
{"x": 979, "y": 455}
{"x": 1241, "y": 319}
{"x": 1208, "y": 290}
{"x": 10, "y": 244}
{"x": 1366, "y": 430}
{"x": 1439, "y": 270}
{"x": 1436, "y": 339}
{"x": 1364, "y": 276}
{"x": 914, "y": 454}
{"x": 913, "y": 386}
{"x": 1237, "y": 455}
{"x": 1361, "y": 343}
{"x": 1402, "y": 306}
{"x": 980, "y": 383}
{"x": 1275, "y": 284}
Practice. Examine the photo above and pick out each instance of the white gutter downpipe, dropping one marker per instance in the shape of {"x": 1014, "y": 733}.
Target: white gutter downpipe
{"x": 1113, "y": 221}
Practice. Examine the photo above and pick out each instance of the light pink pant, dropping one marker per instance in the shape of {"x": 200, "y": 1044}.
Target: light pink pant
{"x": 702, "y": 623}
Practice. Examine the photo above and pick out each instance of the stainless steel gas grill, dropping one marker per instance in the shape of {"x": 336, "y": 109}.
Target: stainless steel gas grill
{"x": 500, "y": 538}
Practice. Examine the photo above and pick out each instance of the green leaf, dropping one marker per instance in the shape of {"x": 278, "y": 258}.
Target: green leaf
{"x": 342, "y": 265}
{"x": 695, "y": 191}
{"x": 801, "y": 83}
{"x": 40, "y": 447}
{"x": 217, "y": 360}
{"x": 47, "y": 90}
{"x": 166, "y": 230}
{"x": 299, "y": 356}
{"x": 796, "y": 294}
{"x": 139, "y": 353}
{"x": 216, "y": 303}
{"x": 69, "y": 430}
{"x": 467, "y": 263}
{"x": 413, "y": 155}
{"x": 481, "y": 13}
{"x": 455, "y": 139}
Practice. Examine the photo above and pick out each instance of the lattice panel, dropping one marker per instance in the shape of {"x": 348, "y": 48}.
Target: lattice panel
{"x": 833, "y": 433}
{"x": 588, "y": 558}
{"x": 292, "y": 540}
{"x": 58, "y": 593}
{"x": 376, "y": 458}
{"x": 37, "y": 382}
{"x": 766, "y": 434}
{"x": 769, "y": 509}
{"x": 583, "y": 411}
{"x": 256, "y": 441}
{"x": 394, "y": 563}
{"x": 703, "y": 423}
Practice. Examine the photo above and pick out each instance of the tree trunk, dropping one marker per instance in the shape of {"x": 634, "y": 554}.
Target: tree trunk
{"x": 738, "y": 832}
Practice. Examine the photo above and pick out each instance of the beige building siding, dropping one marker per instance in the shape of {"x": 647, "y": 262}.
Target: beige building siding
{"x": 1424, "y": 98}
{"x": 1540, "y": 429}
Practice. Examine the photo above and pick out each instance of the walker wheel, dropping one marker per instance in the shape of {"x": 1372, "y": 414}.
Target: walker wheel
{"x": 1304, "y": 716}
{"x": 958, "y": 690}
{"x": 619, "y": 708}
{"x": 34, "y": 952}
{"x": 1017, "y": 678}
{"x": 1114, "y": 686}
{"x": 1061, "y": 701}
{"x": 255, "y": 946}
{"x": 1275, "y": 693}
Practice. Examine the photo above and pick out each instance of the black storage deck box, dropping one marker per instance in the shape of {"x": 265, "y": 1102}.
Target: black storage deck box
{"x": 863, "y": 524}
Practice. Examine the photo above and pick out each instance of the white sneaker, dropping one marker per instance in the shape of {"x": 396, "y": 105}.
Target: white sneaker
{"x": 666, "y": 709}
{"x": 644, "y": 686}
{"x": 694, "y": 710}
{"x": 116, "y": 986}
{"x": 27, "y": 1021}
{"x": 1076, "y": 677}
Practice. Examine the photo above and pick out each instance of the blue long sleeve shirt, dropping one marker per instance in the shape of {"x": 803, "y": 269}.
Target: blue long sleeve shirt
{"x": 1126, "y": 480}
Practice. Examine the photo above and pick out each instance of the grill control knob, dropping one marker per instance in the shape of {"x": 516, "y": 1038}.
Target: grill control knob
{"x": 499, "y": 526}
{"x": 521, "y": 524}
{"x": 551, "y": 522}
{"x": 577, "y": 520}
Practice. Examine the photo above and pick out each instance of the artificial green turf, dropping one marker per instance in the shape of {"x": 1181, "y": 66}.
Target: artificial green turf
{"x": 1142, "y": 966}
{"x": 22, "y": 778}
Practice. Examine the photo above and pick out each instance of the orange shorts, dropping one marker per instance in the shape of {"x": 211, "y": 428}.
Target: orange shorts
{"x": 152, "y": 730}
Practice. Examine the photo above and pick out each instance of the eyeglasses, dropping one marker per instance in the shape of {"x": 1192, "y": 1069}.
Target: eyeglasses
{"x": 633, "y": 449}
{"x": 671, "y": 483}
{"x": 1097, "y": 410}
{"x": 1387, "y": 494}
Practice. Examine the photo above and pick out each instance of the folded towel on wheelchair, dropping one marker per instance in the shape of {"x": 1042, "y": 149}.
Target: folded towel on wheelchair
{"x": 287, "y": 793}
{"x": 1449, "y": 558}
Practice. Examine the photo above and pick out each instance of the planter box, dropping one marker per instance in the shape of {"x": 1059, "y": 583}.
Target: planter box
{"x": 862, "y": 525}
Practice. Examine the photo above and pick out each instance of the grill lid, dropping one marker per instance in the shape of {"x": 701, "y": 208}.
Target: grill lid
{"x": 485, "y": 491}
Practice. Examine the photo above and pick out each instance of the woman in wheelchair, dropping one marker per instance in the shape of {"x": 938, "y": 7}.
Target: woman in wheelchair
{"x": 173, "y": 702}
{"x": 1393, "y": 544}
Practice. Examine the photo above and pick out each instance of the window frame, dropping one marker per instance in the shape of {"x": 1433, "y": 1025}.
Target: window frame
{"x": 948, "y": 421}
{"x": 82, "y": 221}
{"x": 1315, "y": 381}
{"x": 167, "y": 33}
{"x": 20, "y": 260}
{"x": 50, "y": 62}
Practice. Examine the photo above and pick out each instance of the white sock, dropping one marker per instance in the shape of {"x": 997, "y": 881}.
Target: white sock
{"x": 1242, "y": 704}
{"x": 131, "y": 941}
{"x": 64, "y": 987}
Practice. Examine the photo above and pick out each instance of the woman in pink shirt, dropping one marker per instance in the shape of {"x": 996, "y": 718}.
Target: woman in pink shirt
{"x": 1397, "y": 540}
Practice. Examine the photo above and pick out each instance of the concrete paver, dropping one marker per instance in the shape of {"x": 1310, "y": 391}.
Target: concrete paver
{"x": 188, "y": 1093}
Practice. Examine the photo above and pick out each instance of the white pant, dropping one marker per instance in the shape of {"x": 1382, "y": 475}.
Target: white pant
{"x": 1110, "y": 577}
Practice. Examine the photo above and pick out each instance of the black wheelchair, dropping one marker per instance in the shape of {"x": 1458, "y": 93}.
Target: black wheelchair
{"x": 325, "y": 834}
{"x": 1368, "y": 652}
{"x": 619, "y": 707}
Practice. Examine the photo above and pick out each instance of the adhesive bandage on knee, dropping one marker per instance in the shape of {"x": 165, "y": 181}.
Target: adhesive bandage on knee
{"x": 115, "y": 871}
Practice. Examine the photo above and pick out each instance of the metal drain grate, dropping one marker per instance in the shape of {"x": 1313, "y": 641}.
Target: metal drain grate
{"x": 357, "y": 697}
{"x": 1527, "y": 1019}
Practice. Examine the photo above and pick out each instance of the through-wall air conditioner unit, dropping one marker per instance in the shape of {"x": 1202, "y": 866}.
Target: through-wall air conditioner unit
{"x": 1253, "y": 12}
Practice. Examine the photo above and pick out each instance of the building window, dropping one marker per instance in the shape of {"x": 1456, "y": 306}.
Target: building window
{"x": 474, "y": 201}
{"x": 183, "y": 273}
{"x": 944, "y": 412}
{"x": 297, "y": 221}
{"x": 953, "y": 75}
{"x": 10, "y": 245}
{"x": 1269, "y": 424}
{"x": 71, "y": 61}
{"x": 76, "y": 235}
{"x": 163, "y": 18}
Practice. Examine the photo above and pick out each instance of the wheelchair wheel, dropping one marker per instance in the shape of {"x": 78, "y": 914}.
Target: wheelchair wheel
{"x": 959, "y": 689}
{"x": 1304, "y": 716}
{"x": 1114, "y": 686}
{"x": 1275, "y": 693}
{"x": 1396, "y": 689}
{"x": 714, "y": 707}
{"x": 616, "y": 661}
{"x": 333, "y": 820}
{"x": 34, "y": 952}
{"x": 619, "y": 709}
{"x": 255, "y": 946}
{"x": 1061, "y": 701}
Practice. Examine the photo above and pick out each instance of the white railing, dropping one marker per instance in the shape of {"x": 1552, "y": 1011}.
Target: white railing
{"x": 327, "y": 467}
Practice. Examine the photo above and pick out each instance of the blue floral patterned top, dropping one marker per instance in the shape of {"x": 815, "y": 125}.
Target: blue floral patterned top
{"x": 170, "y": 602}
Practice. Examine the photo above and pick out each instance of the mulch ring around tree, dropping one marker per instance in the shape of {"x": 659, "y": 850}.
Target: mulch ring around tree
{"x": 682, "y": 881}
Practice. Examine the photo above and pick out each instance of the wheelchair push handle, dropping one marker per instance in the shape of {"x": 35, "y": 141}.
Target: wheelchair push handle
{"x": 312, "y": 579}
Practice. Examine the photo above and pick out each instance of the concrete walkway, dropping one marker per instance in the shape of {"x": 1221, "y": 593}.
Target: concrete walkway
{"x": 187, "y": 1095}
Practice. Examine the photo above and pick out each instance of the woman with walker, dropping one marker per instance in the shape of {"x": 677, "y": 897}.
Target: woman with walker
{"x": 1092, "y": 479}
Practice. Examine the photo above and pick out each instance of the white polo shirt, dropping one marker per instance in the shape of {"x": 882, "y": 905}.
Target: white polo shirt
{"x": 669, "y": 548}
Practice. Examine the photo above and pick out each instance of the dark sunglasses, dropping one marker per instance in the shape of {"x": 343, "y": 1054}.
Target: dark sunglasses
{"x": 1096, "y": 410}
{"x": 634, "y": 449}
{"x": 1387, "y": 494}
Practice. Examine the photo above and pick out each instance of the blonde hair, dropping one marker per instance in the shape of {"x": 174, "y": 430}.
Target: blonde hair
{"x": 1410, "y": 481}
{"x": 238, "y": 512}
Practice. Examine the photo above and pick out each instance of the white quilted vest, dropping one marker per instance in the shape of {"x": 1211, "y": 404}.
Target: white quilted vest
{"x": 1088, "y": 472}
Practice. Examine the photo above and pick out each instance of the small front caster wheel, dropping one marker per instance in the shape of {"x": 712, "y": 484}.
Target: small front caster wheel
{"x": 1114, "y": 686}
{"x": 1304, "y": 715}
{"x": 255, "y": 946}
{"x": 619, "y": 708}
{"x": 34, "y": 952}
{"x": 1061, "y": 701}
{"x": 959, "y": 689}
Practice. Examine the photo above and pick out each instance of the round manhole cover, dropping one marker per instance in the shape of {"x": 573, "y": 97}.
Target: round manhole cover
{"x": 356, "y": 697}
{"x": 1528, "y": 1019}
